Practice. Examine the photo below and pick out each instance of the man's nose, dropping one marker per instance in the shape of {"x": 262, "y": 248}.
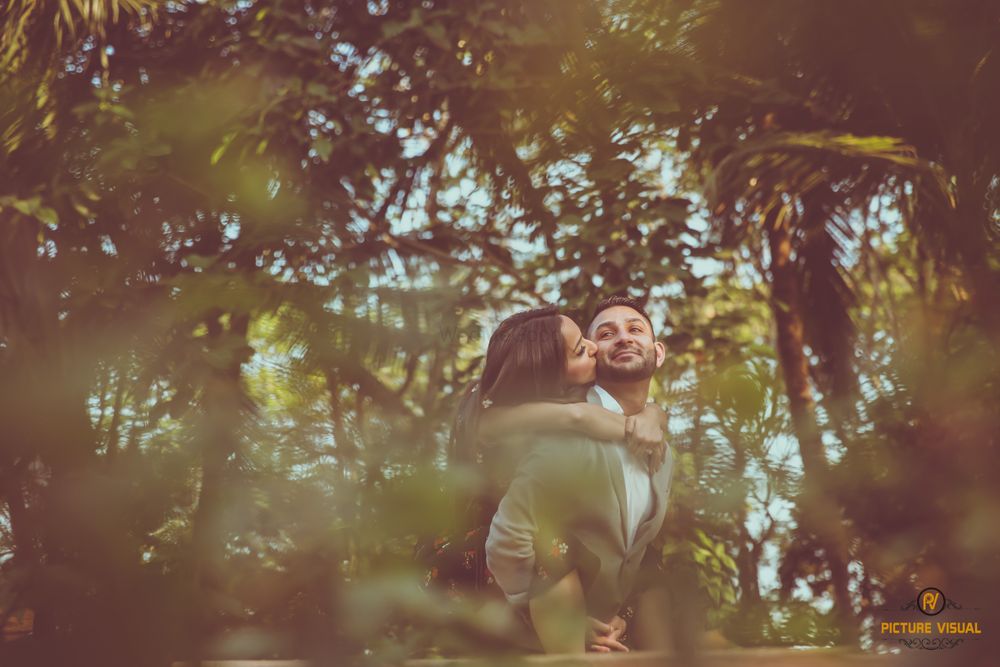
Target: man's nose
{"x": 623, "y": 338}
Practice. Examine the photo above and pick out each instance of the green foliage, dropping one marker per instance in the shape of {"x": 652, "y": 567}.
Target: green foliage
{"x": 250, "y": 253}
{"x": 715, "y": 570}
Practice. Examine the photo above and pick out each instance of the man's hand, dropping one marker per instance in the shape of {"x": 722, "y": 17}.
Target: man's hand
{"x": 603, "y": 637}
{"x": 644, "y": 436}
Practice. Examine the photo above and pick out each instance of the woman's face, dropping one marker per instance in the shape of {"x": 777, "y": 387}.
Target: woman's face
{"x": 581, "y": 362}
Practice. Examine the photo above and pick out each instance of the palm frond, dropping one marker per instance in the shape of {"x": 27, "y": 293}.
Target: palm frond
{"x": 761, "y": 170}
{"x": 29, "y": 28}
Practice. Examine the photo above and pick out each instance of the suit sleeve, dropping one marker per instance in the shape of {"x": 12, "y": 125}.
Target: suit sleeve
{"x": 510, "y": 546}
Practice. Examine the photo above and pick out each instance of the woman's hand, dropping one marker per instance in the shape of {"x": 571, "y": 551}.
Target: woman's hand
{"x": 644, "y": 436}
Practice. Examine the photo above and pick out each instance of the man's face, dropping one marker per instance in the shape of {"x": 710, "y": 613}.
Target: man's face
{"x": 626, "y": 349}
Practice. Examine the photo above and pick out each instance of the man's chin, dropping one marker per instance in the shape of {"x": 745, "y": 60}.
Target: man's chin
{"x": 626, "y": 367}
{"x": 625, "y": 372}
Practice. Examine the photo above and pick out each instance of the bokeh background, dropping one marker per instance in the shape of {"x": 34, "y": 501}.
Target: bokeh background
{"x": 251, "y": 252}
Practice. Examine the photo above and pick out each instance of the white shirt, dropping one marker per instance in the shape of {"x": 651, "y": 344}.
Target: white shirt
{"x": 638, "y": 484}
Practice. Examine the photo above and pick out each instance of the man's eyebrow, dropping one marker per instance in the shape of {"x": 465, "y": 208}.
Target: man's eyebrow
{"x": 610, "y": 323}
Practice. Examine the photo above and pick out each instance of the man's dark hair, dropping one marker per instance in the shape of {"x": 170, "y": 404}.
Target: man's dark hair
{"x": 619, "y": 300}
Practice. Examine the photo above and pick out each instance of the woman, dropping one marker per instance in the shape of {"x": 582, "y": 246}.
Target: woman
{"x": 537, "y": 371}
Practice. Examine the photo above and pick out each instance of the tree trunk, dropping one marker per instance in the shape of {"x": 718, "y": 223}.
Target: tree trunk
{"x": 819, "y": 516}
{"x": 111, "y": 450}
{"x": 973, "y": 247}
{"x": 745, "y": 564}
{"x": 222, "y": 412}
{"x": 749, "y": 623}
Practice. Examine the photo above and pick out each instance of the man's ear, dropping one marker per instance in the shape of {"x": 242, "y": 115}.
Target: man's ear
{"x": 661, "y": 353}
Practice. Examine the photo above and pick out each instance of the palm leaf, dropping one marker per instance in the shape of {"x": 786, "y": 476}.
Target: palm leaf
{"x": 784, "y": 162}
{"x": 34, "y": 30}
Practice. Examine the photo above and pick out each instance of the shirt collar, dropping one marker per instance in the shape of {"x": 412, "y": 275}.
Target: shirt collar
{"x": 599, "y": 395}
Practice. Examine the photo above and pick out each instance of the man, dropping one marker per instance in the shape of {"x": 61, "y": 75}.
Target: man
{"x": 609, "y": 502}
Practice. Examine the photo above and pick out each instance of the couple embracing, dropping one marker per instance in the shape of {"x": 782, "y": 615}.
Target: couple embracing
{"x": 578, "y": 477}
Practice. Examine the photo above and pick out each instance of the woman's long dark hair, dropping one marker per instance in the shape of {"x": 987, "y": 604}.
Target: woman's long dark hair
{"x": 525, "y": 361}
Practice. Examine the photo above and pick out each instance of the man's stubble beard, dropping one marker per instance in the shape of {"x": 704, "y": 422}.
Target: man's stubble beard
{"x": 643, "y": 371}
